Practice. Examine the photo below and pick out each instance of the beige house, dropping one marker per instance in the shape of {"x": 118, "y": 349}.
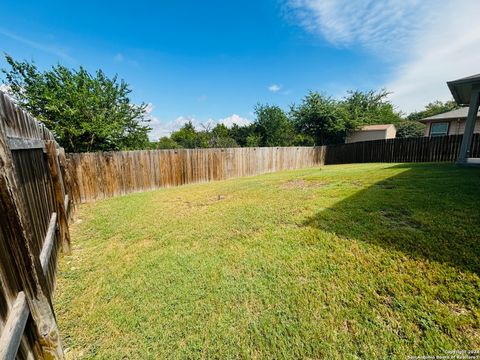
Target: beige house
{"x": 449, "y": 123}
{"x": 373, "y": 132}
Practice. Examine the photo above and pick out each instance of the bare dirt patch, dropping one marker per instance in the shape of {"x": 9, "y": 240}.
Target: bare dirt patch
{"x": 207, "y": 202}
{"x": 458, "y": 309}
{"x": 303, "y": 184}
{"x": 400, "y": 218}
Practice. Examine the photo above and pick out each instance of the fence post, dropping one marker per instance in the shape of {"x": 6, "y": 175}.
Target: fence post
{"x": 59, "y": 190}
{"x": 70, "y": 206}
{"x": 32, "y": 279}
{"x": 469, "y": 127}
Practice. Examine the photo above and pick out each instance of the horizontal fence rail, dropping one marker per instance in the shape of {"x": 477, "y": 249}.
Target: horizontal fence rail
{"x": 34, "y": 208}
{"x": 103, "y": 175}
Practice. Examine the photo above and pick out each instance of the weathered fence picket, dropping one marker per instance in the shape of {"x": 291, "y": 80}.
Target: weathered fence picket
{"x": 421, "y": 149}
{"x": 102, "y": 175}
{"x": 33, "y": 225}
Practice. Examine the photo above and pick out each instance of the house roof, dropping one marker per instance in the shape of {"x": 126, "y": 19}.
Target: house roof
{"x": 461, "y": 89}
{"x": 376, "y": 127}
{"x": 454, "y": 114}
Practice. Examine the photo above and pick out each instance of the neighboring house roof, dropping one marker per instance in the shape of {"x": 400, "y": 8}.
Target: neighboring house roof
{"x": 376, "y": 127}
{"x": 454, "y": 114}
{"x": 461, "y": 89}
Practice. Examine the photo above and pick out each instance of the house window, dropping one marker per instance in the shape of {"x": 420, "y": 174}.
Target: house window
{"x": 439, "y": 129}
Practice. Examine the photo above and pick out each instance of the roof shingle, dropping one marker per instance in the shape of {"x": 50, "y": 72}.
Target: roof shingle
{"x": 454, "y": 114}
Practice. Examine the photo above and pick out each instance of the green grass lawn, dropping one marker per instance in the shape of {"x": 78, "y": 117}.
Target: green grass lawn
{"x": 353, "y": 261}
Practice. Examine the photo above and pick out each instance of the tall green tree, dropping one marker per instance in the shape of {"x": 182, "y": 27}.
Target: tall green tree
{"x": 189, "y": 138}
{"x": 327, "y": 121}
{"x": 410, "y": 128}
{"x": 166, "y": 143}
{"x": 186, "y": 136}
{"x": 240, "y": 134}
{"x": 321, "y": 118}
{"x": 368, "y": 108}
{"x": 85, "y": 112}
{"x": 272, "y": 126}
{"x": 220, "y": 137}
{"x": 253, "y": 140}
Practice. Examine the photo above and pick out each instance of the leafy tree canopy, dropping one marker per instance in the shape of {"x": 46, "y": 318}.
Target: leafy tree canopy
{"x": 369, "y": 108}
{"x": 240, "y": 134}
{"x": 186, "y": 136}
{"x": 321, "y": 118}
{"x": 410, "y": 128}
{"x": 85, "y": 112}
{"x": 272, "y": 126}
{"x": 326, "y": 120}
{"x": 189, "y": 138}
{"x": 220, "y": 137}
{"x": 167, "y": 143}
{"x": 253, "y": 140}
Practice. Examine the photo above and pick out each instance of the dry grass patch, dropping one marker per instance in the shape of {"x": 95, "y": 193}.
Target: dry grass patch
{"x": 303, "y": 184}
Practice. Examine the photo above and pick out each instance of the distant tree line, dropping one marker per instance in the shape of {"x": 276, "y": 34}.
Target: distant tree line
{"x": 94, "y": 113}
{"x": 317, "y": 120}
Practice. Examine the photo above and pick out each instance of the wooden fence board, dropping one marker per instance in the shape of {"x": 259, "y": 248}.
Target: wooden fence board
{"x": 102, "y": 175}
{"x": 422, "y": 149}
{"x": 30, "y": 192}
{"x": 135, "y": 170}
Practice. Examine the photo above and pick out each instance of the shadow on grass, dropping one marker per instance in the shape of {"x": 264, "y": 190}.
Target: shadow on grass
{"x": 429, "y": 211}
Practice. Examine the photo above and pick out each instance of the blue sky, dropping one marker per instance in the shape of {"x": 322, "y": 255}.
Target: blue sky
{"x": 212, "y": 61}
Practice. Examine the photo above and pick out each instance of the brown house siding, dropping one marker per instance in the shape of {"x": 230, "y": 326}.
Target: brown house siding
{"x": 370, "y": 134}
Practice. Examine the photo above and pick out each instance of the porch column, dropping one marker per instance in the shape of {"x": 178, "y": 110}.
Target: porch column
{"x": 469, "y": 126}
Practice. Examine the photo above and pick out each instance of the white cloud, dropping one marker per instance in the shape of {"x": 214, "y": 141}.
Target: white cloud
{"x": 118, "y": 57}
{"x": 165, "y": 128}
{"x": 234, "y": 119}
{"x": 426, "y": 42}
{"x": 5, "y": 88}
{"x": 372, "y": 24}
{"x": 121, "y": 58}
{"x": 149, "y": 108}
{"x": 159, "y": 127}
{"x": 274, "y": 88}
{"x": 61, "y": 53}
{"x": 228, "y": 121}
{"x": 446, "y": 51}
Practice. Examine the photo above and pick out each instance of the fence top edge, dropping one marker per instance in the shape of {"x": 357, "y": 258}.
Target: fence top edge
{"x": 195, "y": 149}
{"x": 30, "y": 127}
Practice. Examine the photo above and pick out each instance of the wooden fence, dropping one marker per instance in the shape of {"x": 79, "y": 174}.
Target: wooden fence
{"x": 34, "y": 208}
{"x": 421, "y": 149}
{"x": 102, "y": 175}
